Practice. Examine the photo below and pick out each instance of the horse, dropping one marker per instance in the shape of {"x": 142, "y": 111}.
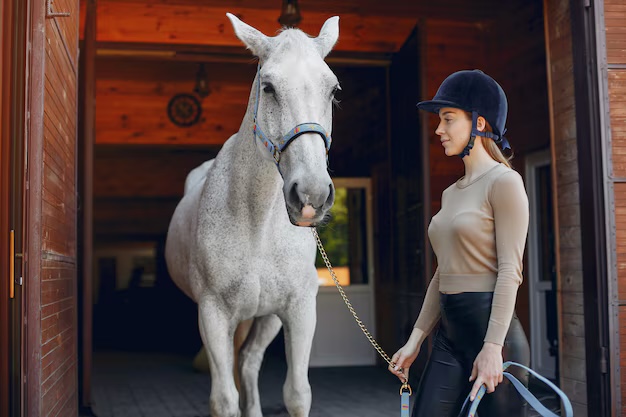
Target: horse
{"x": 239, "y": 242}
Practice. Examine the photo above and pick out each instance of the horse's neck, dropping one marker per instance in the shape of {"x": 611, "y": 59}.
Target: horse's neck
{"x": 253, "y": 181}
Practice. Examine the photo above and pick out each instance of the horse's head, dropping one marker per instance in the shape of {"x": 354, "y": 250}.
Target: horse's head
{"x": 294, "y": 93}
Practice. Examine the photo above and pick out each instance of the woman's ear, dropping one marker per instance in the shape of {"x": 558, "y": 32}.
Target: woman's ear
{"x": 481, "y": 123}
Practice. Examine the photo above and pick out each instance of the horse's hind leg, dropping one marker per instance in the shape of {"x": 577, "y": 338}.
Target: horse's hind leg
{"x": 216, "y": 329}
{"x": 299, "y": 322}
{"x": 264, "y": 330}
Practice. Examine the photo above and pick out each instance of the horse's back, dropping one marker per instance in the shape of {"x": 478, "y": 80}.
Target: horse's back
{"x": 197, "y": 176}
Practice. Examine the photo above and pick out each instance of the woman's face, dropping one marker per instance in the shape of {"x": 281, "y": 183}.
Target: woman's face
{"x": 454, "y": 130}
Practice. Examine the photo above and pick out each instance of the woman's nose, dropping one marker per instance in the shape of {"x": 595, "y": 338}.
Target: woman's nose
{"x": 439, "y": 130}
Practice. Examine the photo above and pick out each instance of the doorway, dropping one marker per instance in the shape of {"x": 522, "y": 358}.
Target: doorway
{"x": 542, "y": 266}
{"x": 349, "y": 239}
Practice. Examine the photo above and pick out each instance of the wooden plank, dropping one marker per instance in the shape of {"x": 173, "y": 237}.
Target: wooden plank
{"x": 126, "y": 217}
{"x": 133, "y": 96}
{"x": 132, "y": 102}
{"x": 617, "y": 105}
{"x": 620, "y": 236}
{"x": 207, "y": 25}
{"x": 58, "y": 214}
{"x": 615, "y": 24}
{"x": 143, "y": 173}
{"x": 622, "y": 338}
{"x": 456, "y": 10}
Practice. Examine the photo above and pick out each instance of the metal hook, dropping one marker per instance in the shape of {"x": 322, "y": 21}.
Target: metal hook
{"x": 50, "y": 13}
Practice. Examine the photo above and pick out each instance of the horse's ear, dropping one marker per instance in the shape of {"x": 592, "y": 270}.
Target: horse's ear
{"x": 256, "y": 41}
{"x": 328, "y": 36}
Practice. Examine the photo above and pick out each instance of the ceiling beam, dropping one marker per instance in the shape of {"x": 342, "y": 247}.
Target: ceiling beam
{"x": 182, "y": 24}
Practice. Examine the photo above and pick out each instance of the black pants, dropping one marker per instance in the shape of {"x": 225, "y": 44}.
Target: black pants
{"x": 445, "y": 382}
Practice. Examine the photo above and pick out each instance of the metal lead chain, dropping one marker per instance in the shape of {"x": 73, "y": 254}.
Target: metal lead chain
{"x": 366, "y": 332}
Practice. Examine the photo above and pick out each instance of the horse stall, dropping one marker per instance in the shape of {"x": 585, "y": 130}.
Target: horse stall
{"x": 170, "y": 83}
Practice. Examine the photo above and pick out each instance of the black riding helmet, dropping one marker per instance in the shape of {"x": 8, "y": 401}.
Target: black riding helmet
{"x": 477, "y": 93}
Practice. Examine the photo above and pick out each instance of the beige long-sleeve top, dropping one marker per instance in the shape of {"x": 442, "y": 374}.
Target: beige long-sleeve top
{"x": 478, "y": 237}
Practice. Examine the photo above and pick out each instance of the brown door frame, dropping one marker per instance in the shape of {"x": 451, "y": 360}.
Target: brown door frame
{"x": 5, "y": 170}
{"x": 594, "y": 214}
{"x": 86, "y": 132}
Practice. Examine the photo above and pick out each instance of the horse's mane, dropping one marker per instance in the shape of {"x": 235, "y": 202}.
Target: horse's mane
{"x": 293, "y": 40}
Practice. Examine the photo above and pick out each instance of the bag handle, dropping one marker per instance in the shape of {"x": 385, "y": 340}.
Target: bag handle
{"x": 527, "y": 395}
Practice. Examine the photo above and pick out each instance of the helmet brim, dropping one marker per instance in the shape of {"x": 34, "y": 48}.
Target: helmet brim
{"x": 434, "y": 106}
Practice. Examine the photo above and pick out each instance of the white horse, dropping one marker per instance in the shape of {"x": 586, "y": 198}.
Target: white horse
{"x": 233, "y": 243}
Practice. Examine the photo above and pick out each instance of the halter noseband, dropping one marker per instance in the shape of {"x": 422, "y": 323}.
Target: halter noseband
{"x": 275, "y": 148}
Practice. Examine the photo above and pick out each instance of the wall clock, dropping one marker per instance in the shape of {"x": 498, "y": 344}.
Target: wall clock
{"x": 184, "y": 110}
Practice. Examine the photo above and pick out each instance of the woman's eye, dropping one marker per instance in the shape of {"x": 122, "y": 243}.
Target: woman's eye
{"x": 269, "y": 89}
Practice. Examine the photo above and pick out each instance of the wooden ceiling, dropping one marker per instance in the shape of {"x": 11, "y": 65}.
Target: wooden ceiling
{"x": 366, "y": 26}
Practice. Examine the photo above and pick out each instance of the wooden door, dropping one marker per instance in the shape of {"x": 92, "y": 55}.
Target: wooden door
{"x": 12, "y": 93}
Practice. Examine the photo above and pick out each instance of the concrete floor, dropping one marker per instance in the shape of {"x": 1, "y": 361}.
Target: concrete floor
{"x": 157, "y": 385}
{"x": 129, "y": 384}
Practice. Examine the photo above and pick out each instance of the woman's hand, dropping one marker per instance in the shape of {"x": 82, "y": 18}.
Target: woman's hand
{"x": 404, "y": 358}
{"x": 487, "y": 369}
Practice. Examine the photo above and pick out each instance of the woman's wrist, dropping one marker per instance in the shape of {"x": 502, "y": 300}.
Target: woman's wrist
{"x": 493, "y": 347}
{"x": 417, "y": 336}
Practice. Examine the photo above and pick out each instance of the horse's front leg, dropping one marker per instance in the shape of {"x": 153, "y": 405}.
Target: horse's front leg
{"x": 216, "y": 329}
{"x": 299, "y": 323}
{"x": 264, "y": 330}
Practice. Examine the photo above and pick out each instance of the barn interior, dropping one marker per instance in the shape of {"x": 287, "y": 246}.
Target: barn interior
{"x": 150, "y": 53}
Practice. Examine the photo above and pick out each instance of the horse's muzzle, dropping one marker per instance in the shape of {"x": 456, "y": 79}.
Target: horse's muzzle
{"x": 308, "y": 209}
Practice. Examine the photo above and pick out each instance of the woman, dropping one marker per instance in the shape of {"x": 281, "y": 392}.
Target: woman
{"x": 479, "y": 237}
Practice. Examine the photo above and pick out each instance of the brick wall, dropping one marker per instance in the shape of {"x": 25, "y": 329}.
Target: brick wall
{"x": 569, "y": 256}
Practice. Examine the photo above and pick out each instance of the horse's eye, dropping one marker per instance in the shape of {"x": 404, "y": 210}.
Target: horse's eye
{"x": 336, "y": 89}
{"x": 269, "y": 89}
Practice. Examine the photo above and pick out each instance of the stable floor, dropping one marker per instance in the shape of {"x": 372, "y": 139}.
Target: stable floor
{"x": 157, "y": 385}
{"x": 165, "y": 385}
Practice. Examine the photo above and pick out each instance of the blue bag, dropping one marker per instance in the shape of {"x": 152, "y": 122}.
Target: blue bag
{"x": 530, "y": 398}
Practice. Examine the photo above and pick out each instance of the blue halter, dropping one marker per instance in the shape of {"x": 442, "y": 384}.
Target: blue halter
{"x": 277, "y": 147}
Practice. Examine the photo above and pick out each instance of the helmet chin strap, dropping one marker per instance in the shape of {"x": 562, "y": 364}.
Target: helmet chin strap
{"x": 504, "y": 144}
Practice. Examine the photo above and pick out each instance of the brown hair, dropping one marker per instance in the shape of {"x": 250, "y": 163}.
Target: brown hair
{"x": 492, "y": 147}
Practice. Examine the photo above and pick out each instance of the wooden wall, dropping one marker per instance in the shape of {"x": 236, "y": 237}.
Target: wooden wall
{"x": 132, "y": 98}
{"x": 615, "y": 21}
{"x": 136, "y": 190}
{"x": 58, "y": 359}
{"x": 569, "y": 257}
{"x": 366, "y": 25}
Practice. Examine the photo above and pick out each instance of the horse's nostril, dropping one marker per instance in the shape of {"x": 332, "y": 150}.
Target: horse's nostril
{"x": 294, "y": 198}
{"x": 331, "y": 196}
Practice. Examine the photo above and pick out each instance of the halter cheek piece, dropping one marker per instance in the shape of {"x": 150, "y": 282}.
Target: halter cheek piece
{"x": 276, "y": 147}
{"x": 500, "y": 140}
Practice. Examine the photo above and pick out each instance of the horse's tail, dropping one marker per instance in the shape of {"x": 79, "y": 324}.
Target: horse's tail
{"x": 197, "y": 175}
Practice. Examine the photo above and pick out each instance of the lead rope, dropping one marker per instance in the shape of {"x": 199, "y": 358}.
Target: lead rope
{"x": 405, "y": 389}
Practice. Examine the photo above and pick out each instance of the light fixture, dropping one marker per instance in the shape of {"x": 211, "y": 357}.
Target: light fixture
{"x": 290, "y": 14}
{"x": 202, "y": 83}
